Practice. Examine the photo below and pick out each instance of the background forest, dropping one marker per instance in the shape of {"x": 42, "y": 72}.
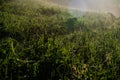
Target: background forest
{"x": 39, "y": 41}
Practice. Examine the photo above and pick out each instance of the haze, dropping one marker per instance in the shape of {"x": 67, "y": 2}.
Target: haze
{"x": 112, "y": 6}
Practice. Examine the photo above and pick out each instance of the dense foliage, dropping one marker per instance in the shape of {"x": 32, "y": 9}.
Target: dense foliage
{"x": 47, "y": 43}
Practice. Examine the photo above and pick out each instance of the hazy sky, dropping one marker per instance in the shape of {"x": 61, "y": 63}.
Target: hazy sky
{"x": 93, "y": 4}
{"x": 112, "y": 6}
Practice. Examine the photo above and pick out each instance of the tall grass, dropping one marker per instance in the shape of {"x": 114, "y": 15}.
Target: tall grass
{"x": 48, "y": 43}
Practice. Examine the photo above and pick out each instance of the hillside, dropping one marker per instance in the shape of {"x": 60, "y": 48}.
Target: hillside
{"x": 41, "y": 41}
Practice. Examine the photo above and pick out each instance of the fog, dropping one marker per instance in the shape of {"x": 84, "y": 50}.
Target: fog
{"x": 96, "y": 5}
{"x": 104, "y": 6}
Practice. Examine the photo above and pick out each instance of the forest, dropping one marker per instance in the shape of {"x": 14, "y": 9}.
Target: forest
{"x": 40, "y": 41}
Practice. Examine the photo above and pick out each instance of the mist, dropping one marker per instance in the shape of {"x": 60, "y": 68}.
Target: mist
{"x": 103, "y": 6}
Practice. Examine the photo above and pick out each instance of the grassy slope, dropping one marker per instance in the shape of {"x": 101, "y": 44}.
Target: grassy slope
{"x": 44, "y": 42}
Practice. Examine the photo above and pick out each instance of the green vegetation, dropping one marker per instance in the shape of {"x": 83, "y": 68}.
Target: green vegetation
{"x": 39, "y": 42}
